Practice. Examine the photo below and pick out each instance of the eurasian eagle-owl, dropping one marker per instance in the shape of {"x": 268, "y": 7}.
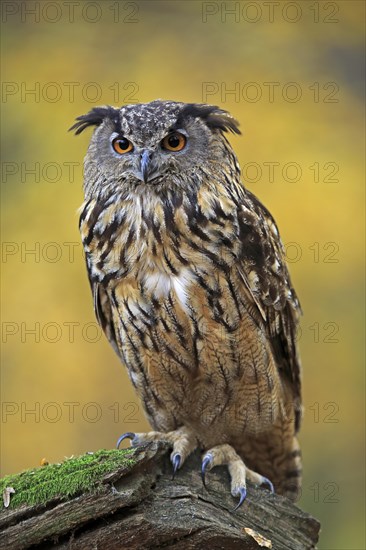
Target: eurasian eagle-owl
{"x": 191, "y": 288}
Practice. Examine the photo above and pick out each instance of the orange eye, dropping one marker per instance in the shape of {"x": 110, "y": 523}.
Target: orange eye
{"x": 174, "y": 142}
{"x": 121, "y": 145}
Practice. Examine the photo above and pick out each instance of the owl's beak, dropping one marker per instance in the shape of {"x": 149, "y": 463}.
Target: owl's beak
{"x": 146, "y": 167}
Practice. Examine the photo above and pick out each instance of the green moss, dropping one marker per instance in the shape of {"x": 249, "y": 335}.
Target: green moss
{"x": 74, "y": 475}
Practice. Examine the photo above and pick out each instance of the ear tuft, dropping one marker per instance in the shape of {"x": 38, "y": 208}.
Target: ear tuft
{"x": 94, "y": 118}
{"x": 222, "y": 120}
{"x": 213, "y": 116}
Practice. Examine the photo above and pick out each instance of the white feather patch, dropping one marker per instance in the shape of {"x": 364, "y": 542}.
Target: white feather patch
{"x": 161, "y": 284}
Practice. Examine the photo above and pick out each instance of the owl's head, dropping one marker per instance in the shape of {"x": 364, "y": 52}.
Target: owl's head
{"x": 153, "y": 144}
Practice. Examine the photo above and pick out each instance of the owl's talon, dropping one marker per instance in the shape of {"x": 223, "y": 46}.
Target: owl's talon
{"x": 129, "y": 435}
{"x": 176, "y": 461}
{"x": 243, "y": 493}
{"x": 206, "y": 463}
{"x": 265, "y": 481}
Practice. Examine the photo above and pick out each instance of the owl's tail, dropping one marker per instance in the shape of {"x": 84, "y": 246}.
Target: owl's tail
{"x": 288, "y": 473}
{"x": 277, "y": 456}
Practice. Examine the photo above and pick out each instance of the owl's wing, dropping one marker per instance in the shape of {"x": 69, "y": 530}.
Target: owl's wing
{"x": 89, "y": 212}
{"x": 268, "y": 287}
{"x": 103, "y": 312}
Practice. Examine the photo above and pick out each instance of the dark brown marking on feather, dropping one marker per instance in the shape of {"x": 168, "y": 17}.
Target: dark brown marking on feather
{"x": 84, "y": 212}
{"x": 172, "y": 353}
{"x": 220, "y": 213}
{"x": 130, "y": 237}
{"x": 196, "y": 230}
{"x": 112, "y": 275}
{"x": 200, "y": 217}
{"x": 124, "y": 326}
{"x": 220, "y": 320}
{"x": 191, "y": 207}
{"x": 273, "y": 293}
{"x": 218, "y": 307}
{"x": 165, "y": 325}
{"x": 195, "y": 337}
{"x": 152, "y": 338}
{"x": 202, "y": 282}
{"x": 234, "y": 297}
{"x": 217, "y": 221}
{"x": 122, "y": 218}
{"x": 194, "y": 245}
{"x": 168, "y": 215}
{"x": 252, "y": 248}
{"x": 232, "y": 191}
{"x": 94, "y": 216}
{"x": 169, "y": 264}
{"x": 147, "y": 323}
{"x": 178, "y": 255}
{"x": 216, "y": 260}
{"x": 125, "y": 303}
{"x": 147, "y": 220}
{"x": 179, "y": 328}
{"x": 155, "y": 303}
{"x": 176, "y": 199}
{"x": 102, "y": 257}
{"x": 222, "y": 369}
{"x": 238, "y": 371}
{"x": 142, "y": 231}
{"x": 225, "y": 241}
{"x": 156, "y": 232}
{"x": 107, "y": 233}
{"x": 122, "y": 256}
{"x": 175, "y": 237}
{"x": 140, "y": 333}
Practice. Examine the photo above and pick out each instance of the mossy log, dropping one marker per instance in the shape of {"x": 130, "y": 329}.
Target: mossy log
{"x": 127, "y": 499}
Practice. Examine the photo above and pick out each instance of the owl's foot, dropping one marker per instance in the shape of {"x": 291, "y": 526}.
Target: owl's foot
{"x": 239, "y": 473}
{"x": 182, "y": 440}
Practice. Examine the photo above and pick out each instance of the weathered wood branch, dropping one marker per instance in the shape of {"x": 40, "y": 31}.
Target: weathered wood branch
{"x": 139, "y": 506}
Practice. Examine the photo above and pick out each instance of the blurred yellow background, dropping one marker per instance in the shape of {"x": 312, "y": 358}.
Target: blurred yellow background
{"x": 291, "y": 73}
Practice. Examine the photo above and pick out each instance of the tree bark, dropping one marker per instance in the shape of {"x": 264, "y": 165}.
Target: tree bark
{"x": 143, "y": 508}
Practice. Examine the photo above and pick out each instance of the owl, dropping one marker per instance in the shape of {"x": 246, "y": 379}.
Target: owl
{"x": 191, "y": 288}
